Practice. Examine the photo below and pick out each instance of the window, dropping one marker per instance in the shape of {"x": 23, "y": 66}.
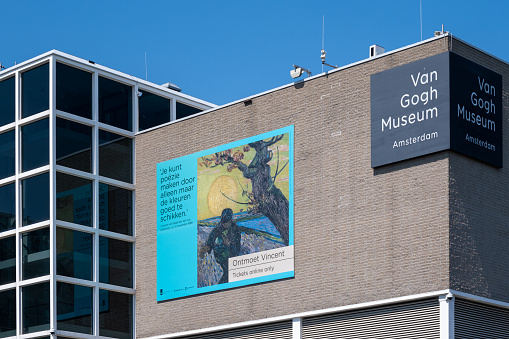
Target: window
{"x": 74, "y": 145}
{"x": 74, "y": 308}
{"x": 7, "y": 154}
{"x": 115, "y": 262}
{"x": 7, "y": 261}
{"x": 153, "y": 110}
{"x": 8, "y": 313}
{"x": 115, "y": 315}
{"x": 35, "y": 304}
{"x": 74, "y": 91}
{"x": 74, "y": 253}
{"x": 74, "y": 199}
{"x": 7, "y": 207}
{"x": 7, "y": 101}
{"x": 115, "y": 104}
{"x": 35, "y": 91}
{"x": 115, "y": 209}
{"x": 184, "y": 110}
{"x": 35, "y": 250}
{"x": 115, "y": 156}
{"x": 35, "y": 145}
{"x": 35, "y": 199}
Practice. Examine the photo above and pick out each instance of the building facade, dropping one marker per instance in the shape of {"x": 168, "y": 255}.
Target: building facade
{"x": 67, "y": 188}
{"x": 182, "y": 236}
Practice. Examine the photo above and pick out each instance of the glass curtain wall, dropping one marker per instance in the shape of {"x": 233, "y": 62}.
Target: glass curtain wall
{"x": 66, "y": 201}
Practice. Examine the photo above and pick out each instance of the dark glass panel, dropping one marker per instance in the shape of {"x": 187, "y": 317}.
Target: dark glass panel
{"x": 115, "y": 209}
{"x": 184, "y": 110}
{"x": 7, "y": 207}
{"x": 7, "y": 101}
{"x": 115, "y": 262}
{"x": 7, "y": 154}
{"x": 115, "y": 104}
{"x": 115, "y": 156}
{"x": 35, "y": 199}
{"x": 35, "y": 252}
{"x": 35, "y": 145}
{"x": 154, "y": 110}
{"x": 74, "y": 145}
{"x": 74, "y": 253}
{"x": 8, "y": 313}
{"x": 74, "y": 308}
{"x": 35, "y": 91}
{"x": 7, "y": 261}
{"x": 74, "y": 199}
{"x": 74, "y": 91}
{"x": 35, "y": 304}
{"x": 115, "y": 315}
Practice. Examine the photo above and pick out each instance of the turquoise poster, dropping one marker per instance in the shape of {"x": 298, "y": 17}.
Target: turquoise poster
{"x": 225, "y": 216}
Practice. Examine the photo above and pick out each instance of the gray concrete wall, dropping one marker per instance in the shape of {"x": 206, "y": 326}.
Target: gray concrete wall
{"x": 360, "y": 234}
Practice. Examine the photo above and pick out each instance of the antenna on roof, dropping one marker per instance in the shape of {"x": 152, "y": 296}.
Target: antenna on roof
{"x": 420, "y": 10}
{"x": 323, "y": 52}
{"x": 323, "y": 36}
{"x": 146, "y": 72}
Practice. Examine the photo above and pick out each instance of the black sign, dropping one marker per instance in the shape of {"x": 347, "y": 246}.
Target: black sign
{"x": 476, "y": 111}
{"x": 438, "y": 103}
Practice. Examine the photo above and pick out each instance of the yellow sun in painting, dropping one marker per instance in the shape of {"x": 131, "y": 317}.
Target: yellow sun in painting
{"x": 217, "y": 201}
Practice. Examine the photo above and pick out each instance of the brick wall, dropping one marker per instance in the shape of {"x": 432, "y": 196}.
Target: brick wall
{"x": 479, "y": 200}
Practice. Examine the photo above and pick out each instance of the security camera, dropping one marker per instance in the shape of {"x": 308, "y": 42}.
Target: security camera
{"x": 322, "y": 56}
{"x": 295, "y": 73}
{"x": 449, "y": 296}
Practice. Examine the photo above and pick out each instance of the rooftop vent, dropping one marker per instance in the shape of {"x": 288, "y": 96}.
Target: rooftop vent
{"x": 375, "y": 50}
{"x": 172, "y": 86}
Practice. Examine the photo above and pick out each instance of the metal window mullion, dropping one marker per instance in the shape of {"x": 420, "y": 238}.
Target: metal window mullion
{"x": 446, "y": 316}
{"x": 135, "y": 110}
{"x": 173, "y": 110}
{"x": 95, "y": 209}
{"x": 17, "y": 194}
{"x": 52, "y": 205}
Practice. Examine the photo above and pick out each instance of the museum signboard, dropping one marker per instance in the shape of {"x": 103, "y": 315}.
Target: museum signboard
{"x": 434, "y": 104}
{"x": 225, "y": 216}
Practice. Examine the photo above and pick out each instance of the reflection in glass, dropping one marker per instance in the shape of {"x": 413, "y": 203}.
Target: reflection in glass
{"x": 115, "y": 156}
{"x": 116, "y": 315}
{"x": 74, "y": 145}
{"x": 74, "y": 91}
{"x": 7, "y": 207}
{"x": 154, "y": 110}
{"x": 7, "y": 261}
{"x": 184, "y": 110}
{"x": 7, "y": 97}
{"x": 115, "y": 104}
{"x": 115, "y": 262}
{"x": 74, "y": 199}
{"x": 8, "y": 313}
{"x": 35, "y": 145}
{"x": 74, "y": 308}
{"x": 7, "y": 152}
{"x": 35, "y": 253}
{"x": 115, "y": 209}
{"x": 35, "y": 304}
{"x": 35, "y": 91}
{"x": 74, "y": 253}
{"x": 35, "y": 199}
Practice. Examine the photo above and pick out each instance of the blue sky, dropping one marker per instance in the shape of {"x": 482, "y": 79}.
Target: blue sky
{"x": 222, "y": 51}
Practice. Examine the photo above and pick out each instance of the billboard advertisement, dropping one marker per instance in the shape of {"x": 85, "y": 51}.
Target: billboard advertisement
{"x": 439, "y": 103}
{"x": 225, "y": 216}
